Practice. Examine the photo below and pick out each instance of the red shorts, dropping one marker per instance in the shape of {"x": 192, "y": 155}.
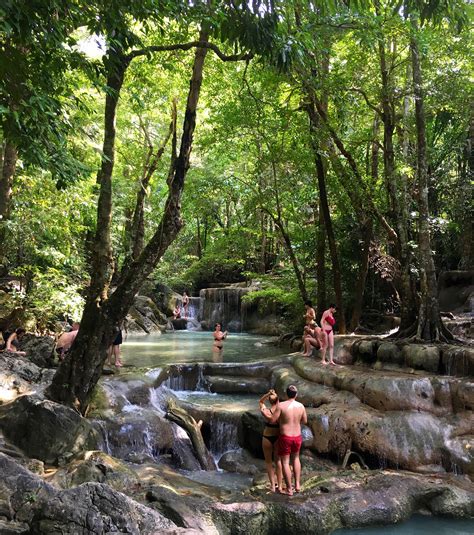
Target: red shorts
{"x": 289, "y": 445}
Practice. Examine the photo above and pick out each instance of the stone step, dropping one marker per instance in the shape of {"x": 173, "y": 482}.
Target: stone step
{"x": 237, "y": 384}
{"x": 392, "y": 390}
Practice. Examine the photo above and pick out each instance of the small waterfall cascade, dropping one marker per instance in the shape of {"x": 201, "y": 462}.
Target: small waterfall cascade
{"x": 223, "y": 436}
{"x": 194, "y": 307}
{"x": 223, "y": 305}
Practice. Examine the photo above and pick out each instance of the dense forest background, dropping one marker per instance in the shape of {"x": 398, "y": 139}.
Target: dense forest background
{"x": 331, "y": 156}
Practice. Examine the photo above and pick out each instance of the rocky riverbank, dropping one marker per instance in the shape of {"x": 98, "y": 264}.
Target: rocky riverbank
{"x": 412, "y": 427}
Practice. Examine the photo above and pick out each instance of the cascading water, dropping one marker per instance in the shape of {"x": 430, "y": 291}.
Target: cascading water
{"x": 222, "y": 305}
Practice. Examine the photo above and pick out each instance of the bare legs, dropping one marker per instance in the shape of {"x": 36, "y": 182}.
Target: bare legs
{"x": 309, "y": 343}
{"x": 331, "y": 348}
{"x": 114, "y": 351}
{"x": 267, "y": 447}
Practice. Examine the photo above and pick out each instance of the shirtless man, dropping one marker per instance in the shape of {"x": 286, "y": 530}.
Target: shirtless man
{"x": 64, "y": 343}
{"x": 291, "y": 414}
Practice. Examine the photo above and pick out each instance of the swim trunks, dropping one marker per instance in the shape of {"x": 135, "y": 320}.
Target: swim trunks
{"x": 289, "y": 445}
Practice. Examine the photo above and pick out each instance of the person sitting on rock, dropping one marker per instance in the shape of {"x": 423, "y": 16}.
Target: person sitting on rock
{"x": 13, "y": 342}
{"x": 176, "y": 312}
{"x": 313, "y": 336}
{"x": 65, "y": 340}
{"x": 270, "y": 436}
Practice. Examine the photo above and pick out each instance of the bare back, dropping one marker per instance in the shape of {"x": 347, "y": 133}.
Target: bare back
{"x": 292, "y": 415}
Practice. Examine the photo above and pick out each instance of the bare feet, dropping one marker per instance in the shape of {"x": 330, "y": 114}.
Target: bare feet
{"x": 118, "y": 364}
{"x": 323, "y": 362}
{"x": 332, "y": 363}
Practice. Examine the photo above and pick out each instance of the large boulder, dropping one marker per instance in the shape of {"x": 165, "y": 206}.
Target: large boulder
{"x": 146, "y": 315}
{"x": 46, "y": 430}
{"x": 16, "y": 375}
{"x": 89, "y": 509}
{"x": 38, "y": 349}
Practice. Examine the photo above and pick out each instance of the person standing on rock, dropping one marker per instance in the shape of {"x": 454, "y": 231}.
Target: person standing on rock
{"x": 327, "y": 324}
{"x": 310, "y": 314}
{"x": 270, "y": 437}
{"x": 291, "y": 414}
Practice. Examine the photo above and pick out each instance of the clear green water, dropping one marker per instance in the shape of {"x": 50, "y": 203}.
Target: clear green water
{"x": 417, "y": 525}
{"x": 195, "y": 346}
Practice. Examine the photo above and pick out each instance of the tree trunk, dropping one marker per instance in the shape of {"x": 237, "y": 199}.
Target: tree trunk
{"x": 79, "y": 372}
{"x": 336, "y": 270}
{"x": 398, "y": 210}
{"x": 138, "y": 223}
{"x": 465, "y": 190}
{"x": 359, "y": 290}
{"x": 294, "y": 261}
{"x": 321, "y": 299}
{"x": 9, "y": 159}
{"x": 429, "y": 326}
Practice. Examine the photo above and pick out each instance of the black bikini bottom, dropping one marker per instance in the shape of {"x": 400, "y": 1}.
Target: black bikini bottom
{"x": 271, "y": 438}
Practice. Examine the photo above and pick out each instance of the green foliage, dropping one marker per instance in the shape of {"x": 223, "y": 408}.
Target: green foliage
{"x": 214, "y": 268}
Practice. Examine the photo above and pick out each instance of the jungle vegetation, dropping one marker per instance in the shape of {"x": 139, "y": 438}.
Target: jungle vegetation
{"x": 321, "y": 147}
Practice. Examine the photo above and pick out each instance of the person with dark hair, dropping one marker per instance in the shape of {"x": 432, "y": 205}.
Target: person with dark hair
{"x": 291, "y": 414}
{"x": 312, "y": 337}
{"x": 327, "y": 324}
{"x": 310, "y": 314}
{"x": 114, "y": 349}
{"x": 13, "y": 342}
{"x": 219, "y": 337}
{"x": 271, "y": 432}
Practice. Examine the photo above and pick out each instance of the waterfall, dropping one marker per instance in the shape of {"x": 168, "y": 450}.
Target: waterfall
{"x": 223, "y": 436}
{"x": 222, "y": 305}
{"x": 194, "y": 307}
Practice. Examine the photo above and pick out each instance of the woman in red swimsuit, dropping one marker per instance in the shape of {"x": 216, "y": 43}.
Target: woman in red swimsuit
{"x": 327, "y": 323}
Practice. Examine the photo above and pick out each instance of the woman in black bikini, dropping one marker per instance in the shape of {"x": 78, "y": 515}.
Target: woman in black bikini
{"x": 270, "y": 436}
{"x": 219, "y": 337}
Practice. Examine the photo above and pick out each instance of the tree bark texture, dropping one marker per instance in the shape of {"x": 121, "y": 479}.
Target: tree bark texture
{"x": 9, "y": 159}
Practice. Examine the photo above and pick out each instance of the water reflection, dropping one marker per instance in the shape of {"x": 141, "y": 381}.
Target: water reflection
{"x": 155, "y": 350}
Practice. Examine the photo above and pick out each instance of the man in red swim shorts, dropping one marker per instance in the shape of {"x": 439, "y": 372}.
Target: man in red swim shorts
{"x": 291, "y": 415}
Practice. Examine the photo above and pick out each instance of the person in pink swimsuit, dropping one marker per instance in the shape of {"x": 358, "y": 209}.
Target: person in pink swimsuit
{"x": 327, "y": 324}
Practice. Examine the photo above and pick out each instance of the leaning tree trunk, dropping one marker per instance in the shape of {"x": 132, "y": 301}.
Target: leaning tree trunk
{"x": 179, "y": 416}
{"x": 79, "y": 372}
{"x": 429, "y": 326}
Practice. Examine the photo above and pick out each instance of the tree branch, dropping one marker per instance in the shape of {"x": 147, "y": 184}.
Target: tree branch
{"x": 366, "y": 98}
{"x": 243, "y": 56}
